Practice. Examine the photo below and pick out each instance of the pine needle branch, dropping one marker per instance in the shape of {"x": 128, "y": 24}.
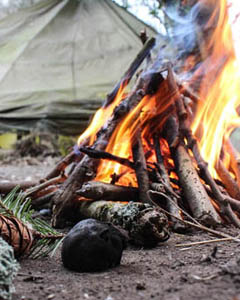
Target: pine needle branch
{"x": 43, "y": 239}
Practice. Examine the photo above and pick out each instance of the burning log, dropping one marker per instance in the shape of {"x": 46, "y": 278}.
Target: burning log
{"x": 148, "y": 45}
{"x": 105, "y": 155}
{"x": 173, "y": 209}
{"x": 95, "y": 190}
{"x": 230, "y": 184}
{"x": 86, "y": 168}
{"x": 235, "y": 160}
{"x": 141, "y": 169}
{"x": 145, "y": 224}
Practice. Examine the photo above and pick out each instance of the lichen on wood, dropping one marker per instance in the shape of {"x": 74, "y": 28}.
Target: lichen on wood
{"x": 145, "y": 224}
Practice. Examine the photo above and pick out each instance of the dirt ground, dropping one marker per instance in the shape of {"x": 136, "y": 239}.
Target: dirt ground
{"x": 210, "y": 271}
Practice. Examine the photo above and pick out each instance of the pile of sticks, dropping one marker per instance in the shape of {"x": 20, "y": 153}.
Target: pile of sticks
{"x": 178, "y": 182}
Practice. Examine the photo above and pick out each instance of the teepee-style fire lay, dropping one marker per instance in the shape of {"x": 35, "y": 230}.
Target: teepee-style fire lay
{"x": 160, "y": 149}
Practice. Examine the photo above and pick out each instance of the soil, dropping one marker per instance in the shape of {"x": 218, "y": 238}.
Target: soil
{"x": 209, "y": 271}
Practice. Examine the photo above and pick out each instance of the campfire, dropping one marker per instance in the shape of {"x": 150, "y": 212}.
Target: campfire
{"x": 164, "y": 146}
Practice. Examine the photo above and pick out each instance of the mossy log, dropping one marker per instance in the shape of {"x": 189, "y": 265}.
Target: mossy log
{"x": 145, "y": 224}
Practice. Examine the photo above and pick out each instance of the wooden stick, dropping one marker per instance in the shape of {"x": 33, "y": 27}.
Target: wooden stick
{"x": 207, "y": 242}
{"x": 147, "y": 47}
{"x": 230, "y": 184}
{"x": 192, "y": 144}
{"x": 193, "y": 189}
{"x": 44, "y": 185}
{"x": 106, "y": 155}
{"x": 178, "y": 227}
{"x": 7, "y": 187}
{"x": 235, "y": 159}
{"x": 141, "y": 169}
{"x": 96, "y": 190}
{"x": 204, "y": 228}
{"x": 86, "y": 169}
{"x": 60, "y": 167}
{"x": 218, "y": 196}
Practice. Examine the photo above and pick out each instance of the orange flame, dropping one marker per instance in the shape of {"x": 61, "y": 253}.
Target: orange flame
{"x": 149, "y": 109}
{"x": 219, "y": 93}
{"x": 100, "y": 118}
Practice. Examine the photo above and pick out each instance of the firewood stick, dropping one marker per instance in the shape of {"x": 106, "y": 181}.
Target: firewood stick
{"x": 38, "y": 203}
{"x": 44, "y": 185}
{"x": 60, "y": 167}
{"x": 96, "y": 190}
{"x": 192, "y": 144}
{"x": 144, "y": 52}
{"x": 235, "y": 204}
{"x": 7, "y": 187}
{"x": 86, "y": 168}
{"x": 165, "y": 178}
{"x": 225, "y": 206}
{"x": 145, "y": 224}
{"x": 230, "y": 184}
{"x": 227, "y": 239}
{"x": 193, "y": 189}
{"x": 141, "y": 168}
{"x": 235, "y": 159}
{"x": 105, "y": 155}
{"x": 194, "y": 222}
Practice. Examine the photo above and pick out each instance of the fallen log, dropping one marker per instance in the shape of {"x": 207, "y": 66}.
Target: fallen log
{"x": 96, "y": 190}
{"x": 145, "y": 224}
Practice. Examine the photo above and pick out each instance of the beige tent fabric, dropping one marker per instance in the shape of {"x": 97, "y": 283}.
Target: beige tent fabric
{"x": 59, "y": 59}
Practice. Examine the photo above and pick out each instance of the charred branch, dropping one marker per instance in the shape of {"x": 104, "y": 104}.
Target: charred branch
{"x": 148, "y": 45}
{"x": 177, "y": 226}
{"x": 230, "y": 184}
{"x": 105, "y": 155}
{"x": 141, "y": 169}
{"x": 86, "y": 168}
{"x": 235, "y": 159}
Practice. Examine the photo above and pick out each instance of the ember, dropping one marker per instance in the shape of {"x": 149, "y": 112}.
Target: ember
{"x": 161, "y": 144}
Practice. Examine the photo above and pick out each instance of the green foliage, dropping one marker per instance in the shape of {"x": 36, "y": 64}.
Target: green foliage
{"x": 46, "y": 239}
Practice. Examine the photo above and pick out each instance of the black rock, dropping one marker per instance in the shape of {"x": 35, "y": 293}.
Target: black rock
{"x": 92, "y": 246}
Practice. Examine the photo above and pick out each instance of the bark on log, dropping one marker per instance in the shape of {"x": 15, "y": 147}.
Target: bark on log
{"x": 230, "y": 184}
{"x": 235, "y": 159}
{"x": 141, "y": 169}
{"x": 7, "y": 187}
{"x": 193, "y": 190}
{"x": 86, "y": 168}
{"x": 145, "y": 224}
{"x": 173, "y": 209}
{"x": 96, "y": 190}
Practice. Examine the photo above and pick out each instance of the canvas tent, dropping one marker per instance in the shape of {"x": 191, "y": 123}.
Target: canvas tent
{"x": 59, "y": 59}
